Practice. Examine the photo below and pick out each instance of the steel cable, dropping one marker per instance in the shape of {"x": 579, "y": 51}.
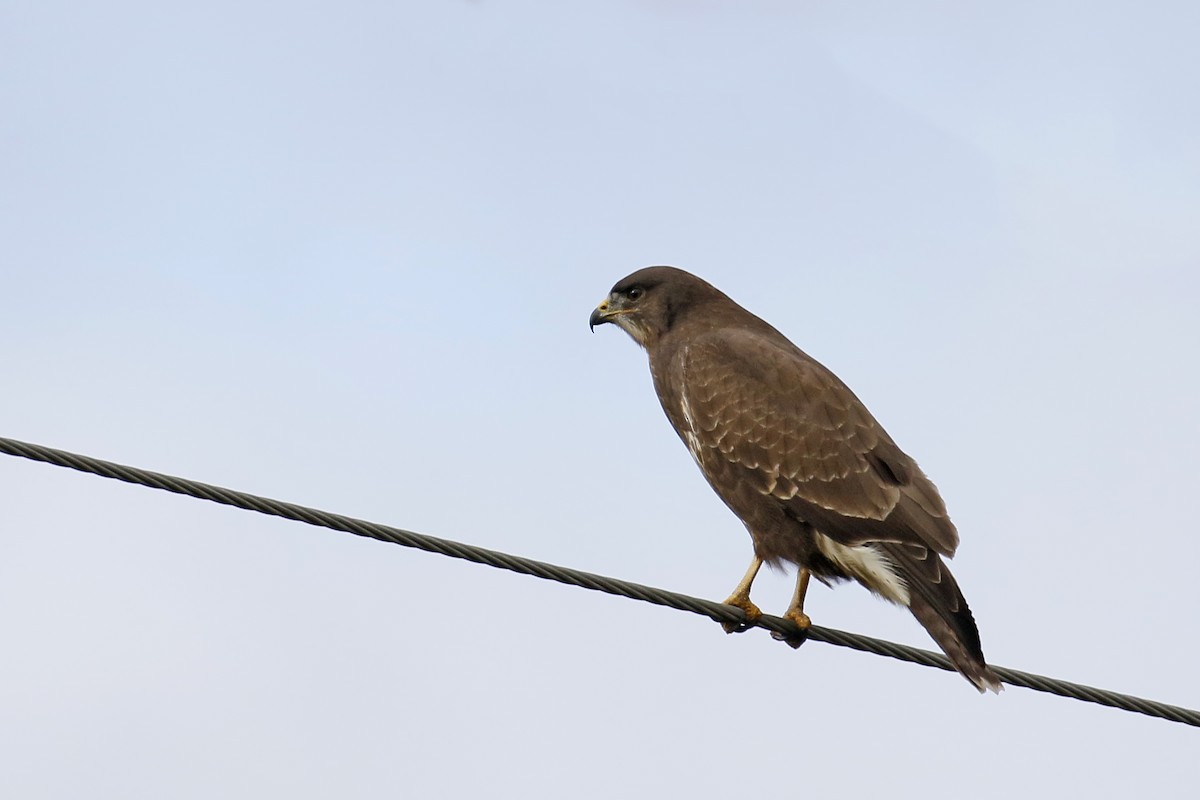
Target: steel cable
{"x": 718, "y": 612}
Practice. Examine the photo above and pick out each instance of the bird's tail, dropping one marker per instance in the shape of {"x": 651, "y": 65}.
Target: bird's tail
{"x": 938, "y": 604}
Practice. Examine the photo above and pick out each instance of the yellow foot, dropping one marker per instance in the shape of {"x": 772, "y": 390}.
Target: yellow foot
{"x": 751, "y": 611}
{"x": 802, "y": 622}
{"x": 800, "y": 618}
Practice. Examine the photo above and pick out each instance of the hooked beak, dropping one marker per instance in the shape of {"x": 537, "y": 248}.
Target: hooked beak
{"x": 602, "y": 314}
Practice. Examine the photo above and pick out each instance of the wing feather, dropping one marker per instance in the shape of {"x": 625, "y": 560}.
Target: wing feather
{"x": 800, "y": 436}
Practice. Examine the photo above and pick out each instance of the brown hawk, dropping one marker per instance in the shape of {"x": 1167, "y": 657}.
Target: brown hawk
{"x": 797, "y": 457}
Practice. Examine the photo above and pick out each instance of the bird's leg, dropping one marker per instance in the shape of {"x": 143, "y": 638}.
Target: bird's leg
{"x": 741, "y": 599}
{"x": 795, "y": 611}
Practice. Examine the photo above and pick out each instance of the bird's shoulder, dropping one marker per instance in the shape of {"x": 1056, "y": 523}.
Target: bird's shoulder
{"x": 762, "y": 368}
{"x": 751, "y": 398}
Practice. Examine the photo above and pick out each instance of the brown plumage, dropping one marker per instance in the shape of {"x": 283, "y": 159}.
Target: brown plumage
{"x": 796, "y": 456}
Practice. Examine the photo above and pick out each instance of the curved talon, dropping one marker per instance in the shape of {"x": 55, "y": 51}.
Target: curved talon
{"x": 751, "y": 611}
{"x": 802, "y": 622}
{"x": 741, "y": 599}
{"x": 795, "y": 613}
{"x": 800, "y": 618}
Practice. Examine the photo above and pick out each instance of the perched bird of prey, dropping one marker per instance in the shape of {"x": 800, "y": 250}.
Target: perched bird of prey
{"x": 797, "y": 457}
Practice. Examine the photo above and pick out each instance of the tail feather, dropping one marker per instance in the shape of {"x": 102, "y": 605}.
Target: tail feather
{"x": 938, "y": 604}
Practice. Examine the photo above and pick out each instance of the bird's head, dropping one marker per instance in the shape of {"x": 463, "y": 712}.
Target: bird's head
{"x": 651, "y": 301}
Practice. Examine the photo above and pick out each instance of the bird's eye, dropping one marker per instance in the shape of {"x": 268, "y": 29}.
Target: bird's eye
{"x": 635, "y": 293}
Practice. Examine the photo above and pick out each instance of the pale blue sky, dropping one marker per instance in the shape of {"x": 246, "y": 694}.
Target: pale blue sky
{"x": 344, "y": 254}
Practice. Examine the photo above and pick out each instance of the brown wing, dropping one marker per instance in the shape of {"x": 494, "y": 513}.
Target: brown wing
{"x": 801, "y": 437}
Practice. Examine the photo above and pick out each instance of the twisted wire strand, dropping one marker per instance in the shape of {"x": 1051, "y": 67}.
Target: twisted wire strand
{"x": 718, "y": 612}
